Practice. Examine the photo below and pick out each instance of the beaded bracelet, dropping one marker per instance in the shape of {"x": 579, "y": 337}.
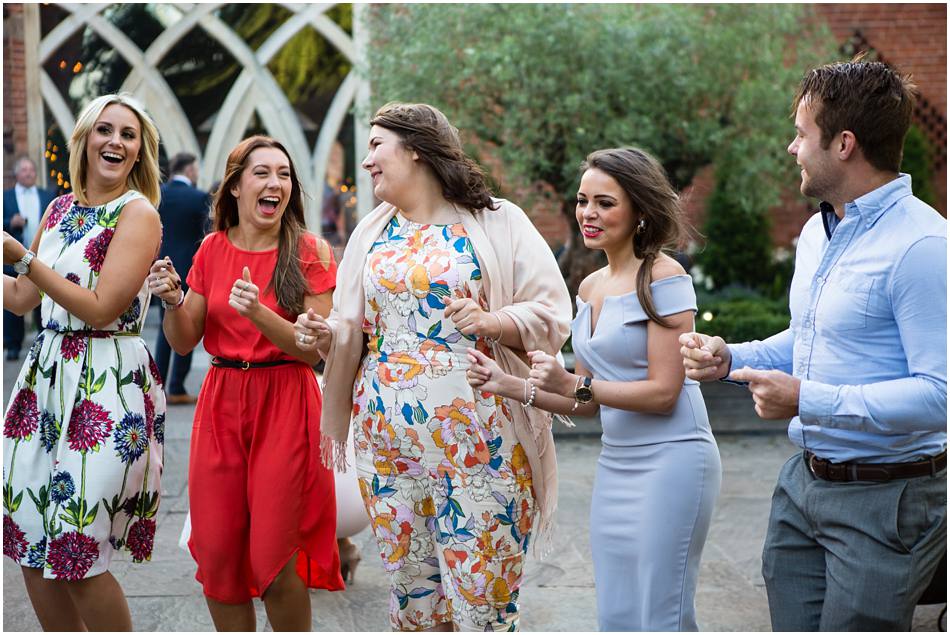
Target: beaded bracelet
{"x": 529, "y": 400}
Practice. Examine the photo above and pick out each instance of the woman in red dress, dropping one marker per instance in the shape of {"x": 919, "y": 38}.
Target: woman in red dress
{"x": 263, "y": 511}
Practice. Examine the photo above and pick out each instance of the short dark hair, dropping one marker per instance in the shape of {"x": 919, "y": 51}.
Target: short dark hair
{"x": 180, "y": 161}
{"x": 871, "y": 99}
{"x": 427, "y": 131}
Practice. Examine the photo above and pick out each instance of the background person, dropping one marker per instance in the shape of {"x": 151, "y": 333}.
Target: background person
{"x": 659, "y": 472}
{"x": 23, "y": 207}
{"x": 84, "y": 431}
{"x": 859, "y": 517}
{"x": 455, "y": 482}
{"x": 263, "y": 512}
{"x": 184, "y": 212}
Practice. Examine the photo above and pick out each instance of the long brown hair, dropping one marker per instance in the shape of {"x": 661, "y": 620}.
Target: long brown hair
{"x": 424, "y": 129}
{"x": 656, "y": 208}
{"x": 288, "y": 281}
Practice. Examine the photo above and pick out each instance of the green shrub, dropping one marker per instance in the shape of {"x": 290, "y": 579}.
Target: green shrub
{"x": 740, "y": 316}
{"x": 917, "y": 162}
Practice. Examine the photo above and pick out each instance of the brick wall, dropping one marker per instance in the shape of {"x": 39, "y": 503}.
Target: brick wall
{"x": 14, "y": 90}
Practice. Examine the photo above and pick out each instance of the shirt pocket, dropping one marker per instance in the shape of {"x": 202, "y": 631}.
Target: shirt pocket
{"x": 844, "y": 302}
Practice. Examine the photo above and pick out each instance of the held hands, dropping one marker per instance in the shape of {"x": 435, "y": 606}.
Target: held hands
{"x": 164, "y": 281}
{"x": 484, "y": 373}
{"x": 244, "y": 296}
{"x": 313, "y": 332}
{"x": 775, "y": 393}
{"x": 548, "y": 375}
{"x": 705, "y": 358}
{"x": 470, "y": 319}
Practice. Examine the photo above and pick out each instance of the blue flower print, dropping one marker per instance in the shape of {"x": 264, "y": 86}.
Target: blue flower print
{"x": 62, "y": 488}
{"x": 131, "y": 438}
{"x": 77, "y": 223}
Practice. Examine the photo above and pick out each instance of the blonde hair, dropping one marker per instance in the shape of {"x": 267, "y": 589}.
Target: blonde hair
{"x": 144, "y": 177}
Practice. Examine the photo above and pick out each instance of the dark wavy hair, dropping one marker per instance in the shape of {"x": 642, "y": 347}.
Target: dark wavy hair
{"x": 654, "y": 201}
{"x": 426, "y": 130}
{"x": 288, "y": 281}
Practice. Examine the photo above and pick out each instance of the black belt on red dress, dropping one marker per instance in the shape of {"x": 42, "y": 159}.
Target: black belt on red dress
{"x": 222, "y": 362}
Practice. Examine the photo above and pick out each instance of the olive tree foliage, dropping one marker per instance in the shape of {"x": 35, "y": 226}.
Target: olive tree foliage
{"x": 546, "y": 84}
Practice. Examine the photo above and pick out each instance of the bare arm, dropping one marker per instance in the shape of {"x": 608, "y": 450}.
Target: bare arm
{"x": 281, "y": 332}
{"x": 134, "y": 244}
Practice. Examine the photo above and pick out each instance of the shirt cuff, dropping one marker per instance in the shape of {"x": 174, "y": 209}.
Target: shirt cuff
{"x": 815, "y": 402}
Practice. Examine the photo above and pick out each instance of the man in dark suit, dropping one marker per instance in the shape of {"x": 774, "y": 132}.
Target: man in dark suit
{"x": 23, "y": 208}
{"x": 184, "y": 211}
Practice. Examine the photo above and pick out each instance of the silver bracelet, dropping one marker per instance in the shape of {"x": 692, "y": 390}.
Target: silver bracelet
{"x": 501, "y": 328}
{"x": 172, "y": 307}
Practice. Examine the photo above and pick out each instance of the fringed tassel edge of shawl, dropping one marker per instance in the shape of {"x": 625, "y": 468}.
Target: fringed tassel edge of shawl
{"x": 567, "y": 421}
{"x": 546, "y": 529}
{"x": 333, "y": 454}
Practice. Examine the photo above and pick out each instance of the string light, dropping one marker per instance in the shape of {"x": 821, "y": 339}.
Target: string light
{"x": 77, "y": 67}
{"x": 62, "y": 63}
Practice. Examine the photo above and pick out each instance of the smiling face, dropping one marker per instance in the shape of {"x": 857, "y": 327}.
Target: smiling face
{"x": 26, "y": 173}
{"x": 390, "y": 164}
{"x": 604, "y": 212}
{"x": 820, "y": 172}
{"x": 113, "y": 145}
{"x": 264, "y": 189}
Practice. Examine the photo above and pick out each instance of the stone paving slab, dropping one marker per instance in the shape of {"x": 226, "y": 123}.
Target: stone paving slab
{"x": 558, "y": 593}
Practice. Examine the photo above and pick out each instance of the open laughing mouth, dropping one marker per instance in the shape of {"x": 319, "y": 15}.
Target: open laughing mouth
{"x": 268, "y": 205}
{"x": 112, "y": 157}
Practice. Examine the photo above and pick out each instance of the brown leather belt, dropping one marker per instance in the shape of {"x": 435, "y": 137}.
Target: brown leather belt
{"x": 828, "y": 471}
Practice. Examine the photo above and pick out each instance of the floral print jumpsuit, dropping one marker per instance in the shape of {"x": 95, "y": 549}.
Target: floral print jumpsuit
{"x": 446, "y": 485}
{"x": 85, "y": 427}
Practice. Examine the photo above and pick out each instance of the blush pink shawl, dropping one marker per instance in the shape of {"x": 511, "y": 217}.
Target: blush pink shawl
{"x": 521, "y": 279}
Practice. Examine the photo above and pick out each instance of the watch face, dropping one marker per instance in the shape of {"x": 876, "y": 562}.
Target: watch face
{"x": 21, "y": 268}
{"x": 584, "y": 394}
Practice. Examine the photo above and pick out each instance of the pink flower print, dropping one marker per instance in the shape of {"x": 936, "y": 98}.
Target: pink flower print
{"x": 73, "y": 346}
{"x": 23, "y": 416}
{"x": 72, "y": 555}
{"x": 149, "y": 416}
{"x": 14, "y": 540}
{"x": 89, "y": 425}
{"x": 141, "y": 539}
{"x": 59, "y": 209}
{"x": 95, "y": 252}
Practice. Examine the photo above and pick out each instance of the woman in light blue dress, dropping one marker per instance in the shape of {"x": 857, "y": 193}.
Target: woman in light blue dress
{"x": 659, "y": 472}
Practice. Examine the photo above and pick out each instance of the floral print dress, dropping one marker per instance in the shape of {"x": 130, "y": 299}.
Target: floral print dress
{"x": 84, "y": 430}
{"x": 446, "y": 484}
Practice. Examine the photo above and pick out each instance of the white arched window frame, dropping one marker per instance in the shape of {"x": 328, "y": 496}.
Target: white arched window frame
{"x": 255, "y": 89}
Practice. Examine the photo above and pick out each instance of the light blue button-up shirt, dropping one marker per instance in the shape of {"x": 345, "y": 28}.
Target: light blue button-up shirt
{"x": 868, "y": 331}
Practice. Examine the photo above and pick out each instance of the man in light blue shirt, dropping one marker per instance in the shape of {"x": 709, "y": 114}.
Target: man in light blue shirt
{"x": 858, "y": 520}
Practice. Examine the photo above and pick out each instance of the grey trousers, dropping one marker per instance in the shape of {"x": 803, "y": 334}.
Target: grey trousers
{"x": 851, "y": 556}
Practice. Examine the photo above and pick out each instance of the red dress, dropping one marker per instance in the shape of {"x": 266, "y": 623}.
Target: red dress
{"x": 259, "y": 492}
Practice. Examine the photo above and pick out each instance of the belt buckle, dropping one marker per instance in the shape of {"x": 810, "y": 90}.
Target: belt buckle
{"x": 810, "y": 461}
{"x": 245, "y": 365}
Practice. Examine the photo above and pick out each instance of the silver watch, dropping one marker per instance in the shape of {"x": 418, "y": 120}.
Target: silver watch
{"x": 22, "y": 266}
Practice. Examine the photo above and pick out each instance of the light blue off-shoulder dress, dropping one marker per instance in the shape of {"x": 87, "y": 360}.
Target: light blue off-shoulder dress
{"x": 657, "y": 476}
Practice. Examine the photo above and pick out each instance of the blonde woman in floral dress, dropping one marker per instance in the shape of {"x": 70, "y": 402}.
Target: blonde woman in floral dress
{"x": 84, "y": 430}
{"x": 456, "y": 482}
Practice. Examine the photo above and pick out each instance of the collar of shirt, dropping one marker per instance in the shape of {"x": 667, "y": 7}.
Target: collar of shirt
{"x": 21, "y": 190}
{"x": 870, "y": 206}
{"x": 182, "y": 179}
